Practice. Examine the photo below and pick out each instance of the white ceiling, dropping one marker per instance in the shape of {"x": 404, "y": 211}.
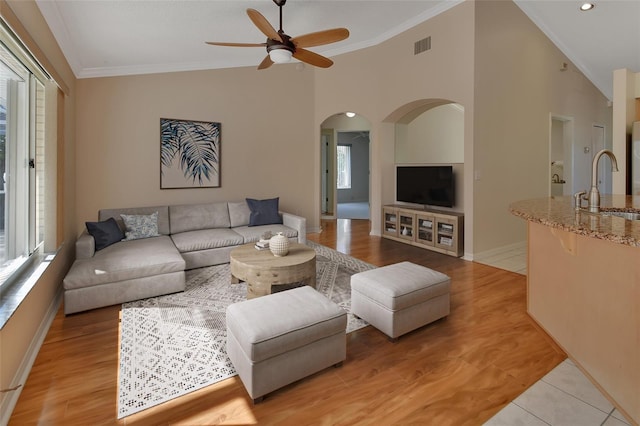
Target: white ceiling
{"x": 122, "y": 37}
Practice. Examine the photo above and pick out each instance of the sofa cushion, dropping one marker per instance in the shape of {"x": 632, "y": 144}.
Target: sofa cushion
{"x": 139, "y": 226}
{"x": 264, "y": 212}
{"x": 163, "y": 216}
{"x": 105, "y": 233}
{"x": 126, "y": 260}
{"x": 206, "y": 239}
{"x": 192, "y": 217}
{"x": 253, "y": 233}
{"x": 239, "y": 214}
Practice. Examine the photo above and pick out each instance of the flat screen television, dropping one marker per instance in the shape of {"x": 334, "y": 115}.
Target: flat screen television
{"x": 427, "y": 185}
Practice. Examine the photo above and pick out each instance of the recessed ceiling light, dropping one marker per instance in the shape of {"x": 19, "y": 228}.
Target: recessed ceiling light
{"x": 587, "y": 6}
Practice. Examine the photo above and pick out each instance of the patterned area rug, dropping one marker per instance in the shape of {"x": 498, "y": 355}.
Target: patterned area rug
{"x": 175, "y": 344}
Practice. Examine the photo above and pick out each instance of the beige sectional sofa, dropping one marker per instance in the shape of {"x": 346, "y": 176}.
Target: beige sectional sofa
{"x": 189, "y": 236}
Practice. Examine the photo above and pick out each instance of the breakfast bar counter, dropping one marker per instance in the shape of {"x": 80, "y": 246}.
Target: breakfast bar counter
{"x": 583, "y": 288}
{"x": 559, "y": 213}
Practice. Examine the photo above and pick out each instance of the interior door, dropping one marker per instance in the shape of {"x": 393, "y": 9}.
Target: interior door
{"x": 324, "y": 171}
{"x": 326, "y": 164}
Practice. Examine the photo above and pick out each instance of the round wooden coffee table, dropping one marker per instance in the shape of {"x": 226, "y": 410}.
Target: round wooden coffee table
{"x": 261, "y": 270}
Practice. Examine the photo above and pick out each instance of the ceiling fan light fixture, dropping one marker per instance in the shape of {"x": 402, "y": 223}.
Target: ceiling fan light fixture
{"x": 280, "y": 56}
{"x": 587, "y": 6}
{"x": 281, "y": 48}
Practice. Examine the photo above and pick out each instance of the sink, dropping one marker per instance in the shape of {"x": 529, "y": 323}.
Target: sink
{"x": 623, "y": 214}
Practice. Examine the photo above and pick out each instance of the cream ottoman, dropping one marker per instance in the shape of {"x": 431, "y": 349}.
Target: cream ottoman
{"x": 399, "y": 298}
{"x": 277, "y": 339}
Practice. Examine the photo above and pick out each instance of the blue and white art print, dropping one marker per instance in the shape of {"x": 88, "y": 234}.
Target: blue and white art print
{"x": 189, "y": 154}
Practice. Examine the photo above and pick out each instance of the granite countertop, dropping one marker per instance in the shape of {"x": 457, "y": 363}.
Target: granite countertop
{"x": 559, "y": 212}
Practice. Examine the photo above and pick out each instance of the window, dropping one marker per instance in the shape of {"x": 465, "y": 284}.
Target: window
{"x": 22, "y": 141}
{"x": 344, "y": 166}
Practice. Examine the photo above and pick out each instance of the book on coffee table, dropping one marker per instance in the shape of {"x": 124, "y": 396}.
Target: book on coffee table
{"x": 262, "y": 244}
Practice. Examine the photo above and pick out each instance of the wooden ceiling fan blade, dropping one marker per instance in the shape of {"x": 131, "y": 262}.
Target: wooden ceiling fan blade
{"x": 215, "y": 43}
{"x": 266, "y": 63}
{"x": 321, "y": 37}
{"x": 312, "y": 58}
{"x": 263, "y": 25}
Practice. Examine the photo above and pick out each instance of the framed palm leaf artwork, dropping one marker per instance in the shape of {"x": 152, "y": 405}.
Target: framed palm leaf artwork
{"x": 189, "y": 154}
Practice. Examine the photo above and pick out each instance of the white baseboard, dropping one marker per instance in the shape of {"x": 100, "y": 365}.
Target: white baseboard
{"x": 11, "y": 398}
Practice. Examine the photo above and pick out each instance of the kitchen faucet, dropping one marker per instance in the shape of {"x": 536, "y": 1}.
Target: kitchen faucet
{"x": 593, "y": 198}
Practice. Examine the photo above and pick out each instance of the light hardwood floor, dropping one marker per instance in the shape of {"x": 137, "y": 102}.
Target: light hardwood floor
{"x": 459, "y": 370}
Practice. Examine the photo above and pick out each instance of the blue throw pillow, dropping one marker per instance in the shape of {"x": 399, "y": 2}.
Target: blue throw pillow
{"x": 264, "y": 212}
{"x": 105, "y": 233}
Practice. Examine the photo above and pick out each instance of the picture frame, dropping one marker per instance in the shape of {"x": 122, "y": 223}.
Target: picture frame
{"x": 189, "y": 154}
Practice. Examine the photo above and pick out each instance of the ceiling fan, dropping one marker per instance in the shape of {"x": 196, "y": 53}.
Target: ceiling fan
{"x": 281, "y": 47}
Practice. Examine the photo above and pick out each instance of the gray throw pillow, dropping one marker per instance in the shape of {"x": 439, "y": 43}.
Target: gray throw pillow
{"x": 105, "y": 233}
{"x": 140, "y": 226}
{"x": 239, "y": 213}
{"x": 264, "y": 212}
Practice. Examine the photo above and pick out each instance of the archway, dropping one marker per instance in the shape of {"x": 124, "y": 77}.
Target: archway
{"x": 344, "y": 169}
{"x": 431, "y": 133}
{"x": 462, "y": 159}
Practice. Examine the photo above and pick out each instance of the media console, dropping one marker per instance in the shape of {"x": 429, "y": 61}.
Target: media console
{"x": 426, "y": 228}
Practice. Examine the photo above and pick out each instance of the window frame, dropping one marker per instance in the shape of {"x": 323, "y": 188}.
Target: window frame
{"x": 344, "y": 183}
{"x": 29, "y": 145}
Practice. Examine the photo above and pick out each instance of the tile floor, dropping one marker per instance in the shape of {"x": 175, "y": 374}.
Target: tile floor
{"x": 564, "y": 396}
{"x": 514, "y": 259}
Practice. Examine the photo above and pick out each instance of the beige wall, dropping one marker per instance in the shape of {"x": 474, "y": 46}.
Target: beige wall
{"x": 435, "y": 136}
{"x": 267, "y": 137}
{"x": 518, "y": 84}
{"x": 30, "y": 318}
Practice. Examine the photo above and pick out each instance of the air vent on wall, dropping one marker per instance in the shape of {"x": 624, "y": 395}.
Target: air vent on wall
{"x": 422, "y": 45}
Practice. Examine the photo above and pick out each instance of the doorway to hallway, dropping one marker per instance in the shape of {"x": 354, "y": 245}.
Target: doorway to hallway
{"x": 358, "y": 210}
{"x": 345, "y": 167}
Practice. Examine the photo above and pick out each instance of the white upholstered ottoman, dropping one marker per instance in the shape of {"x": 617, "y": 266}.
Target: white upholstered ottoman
{"x": 280, "y": 338}
{"x": 399, "y": 298}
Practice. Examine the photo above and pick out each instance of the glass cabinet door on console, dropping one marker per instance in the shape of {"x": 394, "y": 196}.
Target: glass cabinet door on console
{"x": 426, "y": 225}
{"x": 407, "y": 221}
{"x": 445, "y": 237}
{"x": 390, "y": 221}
